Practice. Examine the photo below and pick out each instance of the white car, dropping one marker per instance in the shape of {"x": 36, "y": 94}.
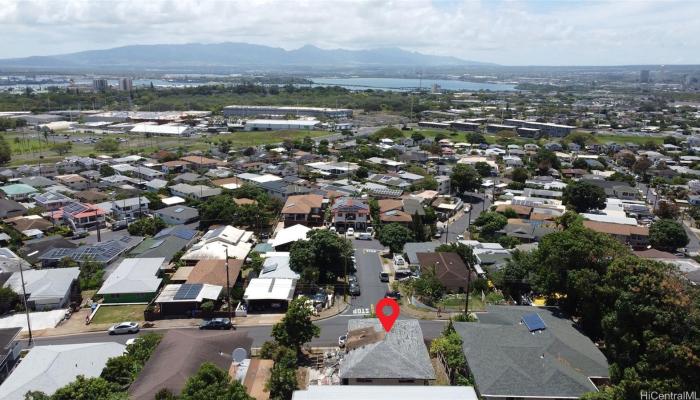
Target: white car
{"x": 350, "y": 232}
{"x": 342, "y": 340}
{"x": 124, "y": 327}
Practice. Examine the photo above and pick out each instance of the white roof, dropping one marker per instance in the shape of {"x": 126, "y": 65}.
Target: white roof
{"x": 134, "y": 275}
{"x": 171, "y": 201}
{"x": 165, "y": 129}
{"x": 208, "y": 292}
{"x": 283, "y": 122}
{"x": 48, "y": 368}
{"x": 277, "y": 266}
{"x": 270, "y": 289}
{"x": 372, "y": 392}
{"x": 289, "y": 235}
{"x": 44, "y": 285}
{"x": 215, "y": 242}
{"x": 266, "y": 178}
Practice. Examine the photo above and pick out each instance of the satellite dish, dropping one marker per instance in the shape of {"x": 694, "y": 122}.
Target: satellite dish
{"x": 239, "y": 354}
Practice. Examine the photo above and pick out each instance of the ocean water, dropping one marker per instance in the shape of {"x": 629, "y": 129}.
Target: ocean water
{"x": 402, "y": 84}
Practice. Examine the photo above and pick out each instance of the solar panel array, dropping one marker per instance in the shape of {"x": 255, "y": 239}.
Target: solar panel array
{"x": 534, "y": 322}
{"x": 74, "y": 208}
{"x": 188, "y": 291}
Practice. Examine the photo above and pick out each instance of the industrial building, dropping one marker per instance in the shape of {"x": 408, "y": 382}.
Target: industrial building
{"x": 546, "y": 128}
{"x": 280, "y": 124}
{"x": 272, "y": 111}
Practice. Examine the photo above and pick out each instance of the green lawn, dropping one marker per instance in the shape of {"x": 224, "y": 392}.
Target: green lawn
{"x": 454, "y": 302}
{"x": 247, "y": 139}
{"x": 629, "y": 139}
{"x": 114, "y": 314}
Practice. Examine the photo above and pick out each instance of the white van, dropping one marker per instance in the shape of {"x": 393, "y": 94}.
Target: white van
{"x": 399, "y": 261}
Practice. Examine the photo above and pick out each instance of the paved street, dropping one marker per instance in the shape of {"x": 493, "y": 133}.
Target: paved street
{"x": 368, "y": 266}
{"x": 461, "y": 224}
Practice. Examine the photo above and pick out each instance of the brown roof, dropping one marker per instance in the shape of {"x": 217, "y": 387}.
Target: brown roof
{"x": 91, "y": 196}
{"x": 179, "y": 356}
{"x": 243, "y": 202}
{"x": 519, "y": 209}
{"x": 389, "y": 204}
{"x": 175, "y": 163}
{"x": 24, "y": 223}
{"x": 181, "y": 274}
{"x": 70, "y": 178}
{"x": 535, "y": 216}
{"x": 362, "y": 337}
{"x": 395, "y": 216}
{"x": 213, "y": 272}
{"x": 197, "y": 160}
{"x": 616, "y": 229}
{"x": 258, "y": 374}
{"x": 449, "y": 268}
{"x": 227, "y": 181}
{"x": 302, "y": 204}
{"x": 162, "y": 154}
{"x": 655, "y": 254}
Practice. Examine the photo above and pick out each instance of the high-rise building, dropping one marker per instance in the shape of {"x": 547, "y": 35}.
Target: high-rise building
{"x": 644, "y": 76}
{"x": 126, "y": 84}
{"x": 100, "y": 85}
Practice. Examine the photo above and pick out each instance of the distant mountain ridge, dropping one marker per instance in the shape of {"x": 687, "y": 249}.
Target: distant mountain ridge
{"x": 230, "y": 54}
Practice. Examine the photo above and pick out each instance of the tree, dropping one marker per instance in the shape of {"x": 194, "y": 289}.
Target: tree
{"x": 62, "y": 148}
{"x": 417, "y": 137}
{"x": 106, "y": 170}
{"x": 622, "y": 177}
{"x": 87, "y": 389}
{"x": 146, "y": 226}
{"x": 520, "y": 175}
{"x": 322, "y": 258}
{"x": 490, "y": 222}
{"x": 8, "y": 299}
{"x": 154, "y": 201}
{"x": 667, "y": 234}
{"x": 219, "y": 209}
{"x": 512, "y": 279}
{"x": 666, "y": 210}
{"x": 108, "y": 145}
{"x": 483, "y": 168}
{"x": 362, "y": 173}
{"x": 465, "y": 178}
{"x": 583, "y": 196}
{"x": 251, "y": 215}
{"x": 388, "y": 132}
{"x": 296, "y": 328}
{"x": 428, "y": 287}
{"x": 283, "y": 379}
{"x": 545, "y": 160}
{"x": 211, "y": 382}
{"x": 5, "y": 151}
{"x": 91, "y": 274}
{"x": 395, "y": 236}
{"x": 642, "y": 165}
{"x": 449, "y": 347}
{"x": 580, "y": 138}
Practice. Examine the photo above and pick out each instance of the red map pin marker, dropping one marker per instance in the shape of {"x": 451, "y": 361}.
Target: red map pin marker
{"x": 387, "y": 320}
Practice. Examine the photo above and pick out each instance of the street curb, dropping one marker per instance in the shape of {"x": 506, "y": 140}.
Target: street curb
{"x": 334, "y": 315}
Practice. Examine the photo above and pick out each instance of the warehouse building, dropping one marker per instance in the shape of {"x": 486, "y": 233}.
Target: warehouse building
{"x": 281, "y": 124}
{"x": 272, "y": 111}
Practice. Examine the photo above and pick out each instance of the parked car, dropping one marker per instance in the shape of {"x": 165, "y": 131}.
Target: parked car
{"x": 216, "y": 323}
{"x": 123, "y": 327}
{"x": 350, "y": 232}
{"x": 394, "y": 294}
{"x": 119, "y": 225}
{"x": 80, "y": 233}
{"x": 364, "y": 236}
{"x": 384, "y": 277}
{"x": 342, "y": 340}
{"x": 354, "y": 289}
{"x": 352, "y": 278}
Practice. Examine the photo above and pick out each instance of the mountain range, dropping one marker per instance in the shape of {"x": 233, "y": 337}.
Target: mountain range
{"x": 232, "y": 55}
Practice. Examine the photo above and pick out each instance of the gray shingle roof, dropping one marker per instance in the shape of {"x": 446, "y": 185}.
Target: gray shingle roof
{"x": 401, "y": 355}
{"x": 507, "y": 360}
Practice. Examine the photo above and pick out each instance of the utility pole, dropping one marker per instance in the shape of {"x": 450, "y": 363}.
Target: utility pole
{"x": 466, "y": 297}
{"x": 24, "y": 299}
{"x": 97, "y": 224}
{"x": 228, "y": 288}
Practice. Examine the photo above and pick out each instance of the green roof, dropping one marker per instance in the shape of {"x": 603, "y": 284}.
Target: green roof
{"x": 17, "y": 188}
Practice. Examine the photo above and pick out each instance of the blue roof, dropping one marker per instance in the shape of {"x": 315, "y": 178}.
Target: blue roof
{"x": 534, "y": 322}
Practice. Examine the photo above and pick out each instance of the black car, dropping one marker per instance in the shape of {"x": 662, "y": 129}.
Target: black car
{"x": 354, "y": 290}
{"x": 216, "y": 323}
{"x": 393, "y": 295}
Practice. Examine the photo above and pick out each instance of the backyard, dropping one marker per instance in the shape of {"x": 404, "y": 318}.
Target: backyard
{"x": 108, "y": 314}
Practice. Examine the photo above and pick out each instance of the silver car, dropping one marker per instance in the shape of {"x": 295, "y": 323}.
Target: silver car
{"x": 124, "y": 327}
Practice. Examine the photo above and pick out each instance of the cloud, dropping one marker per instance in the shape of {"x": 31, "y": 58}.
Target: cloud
{"x": 502, "y": 31}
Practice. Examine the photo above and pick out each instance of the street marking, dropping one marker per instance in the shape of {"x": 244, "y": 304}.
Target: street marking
{"x": 360, "y": 311}
{"x": 370, "y": 251}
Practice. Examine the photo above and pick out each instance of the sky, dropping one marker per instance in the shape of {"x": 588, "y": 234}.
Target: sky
{"x": 507, "y": 32}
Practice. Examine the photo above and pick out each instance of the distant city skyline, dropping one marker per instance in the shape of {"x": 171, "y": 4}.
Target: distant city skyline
{"x": 507, "y": 32}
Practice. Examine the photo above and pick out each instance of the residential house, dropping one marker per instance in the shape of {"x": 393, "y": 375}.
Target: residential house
{"x": 281, "y": 190}
{"x": 527, "y": 231}
{"x": 73, "y": 181}
{"x": 80, "y": 216}
{"x": 632, "y": 235}
{"x": 373, "y": 392}
{"x": 10, "y": 208}
{"x": 129, "y": 209}
{"x": 52, "y": 201}
{"x": 303, "y": 209}
{"x": 37, "y": 182}
{"x": 29, "y": 223}
{"x": 91, "y": 196}
{"x": 17, "y": 191}
{"x": 348, "y": 212}
{"x": 11, "y": 262}
{"x": 530, "y": 352}
{"x": 180, "y": 354}
{"x": 166, "y": 244}
{"x": 103, "y": 253}
{"x": 220, "y": 243}
{"x": 48, "y": 368}
{"x": 186, "y": 299}
{"x": 199, "y": 162}
{"x": 177, "y": 215}
{"x": 35, "y": 248}
{"x": 135, "y": 280}
{"x": 47, "y": 289}
{"x": 284, "y": 238}
{"x": 196, "y": 192}
{"x": 214, "y": 272}
{"x": 264, "y": 294}
{"x": 449, "y": 269}
{"x": 374, "y": 357}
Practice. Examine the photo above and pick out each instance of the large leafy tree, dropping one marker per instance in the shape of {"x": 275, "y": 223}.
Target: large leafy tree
{"x": 323, "y": 257}
{"x": 212, "y": 382}
{"x": 513, "y": 278}
{"x": 5, "y": 151}
{"x": 584, "y": 196}
{"x": 667, "y": 234}
{"x": 283, "y": 377}
{"x": 296, "y": 328}
{"x": 89, "y": 389}
{"x": 428, "y": 287}
{"x": 217, "y": 210}
{"x": 642, "y": 165}
{"x": 465, "y": 178}
{"x": 545, "y": 159}
{"x": 483, "y": 168}
{"x": 520, "y": 175}
{"x": 146, "y": 226}
{"x": 395, "y": 236}
{"x": 490, "y": 222}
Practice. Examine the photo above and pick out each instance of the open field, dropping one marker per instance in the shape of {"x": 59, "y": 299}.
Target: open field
{"x": 114, "y": 314}
{"x": 629, "y": 139}
{"x": 247, "y": 139}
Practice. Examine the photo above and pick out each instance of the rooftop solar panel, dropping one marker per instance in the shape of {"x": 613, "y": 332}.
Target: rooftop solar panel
{"x": 534, "y": 322}
{"x": 188, "y": 291}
